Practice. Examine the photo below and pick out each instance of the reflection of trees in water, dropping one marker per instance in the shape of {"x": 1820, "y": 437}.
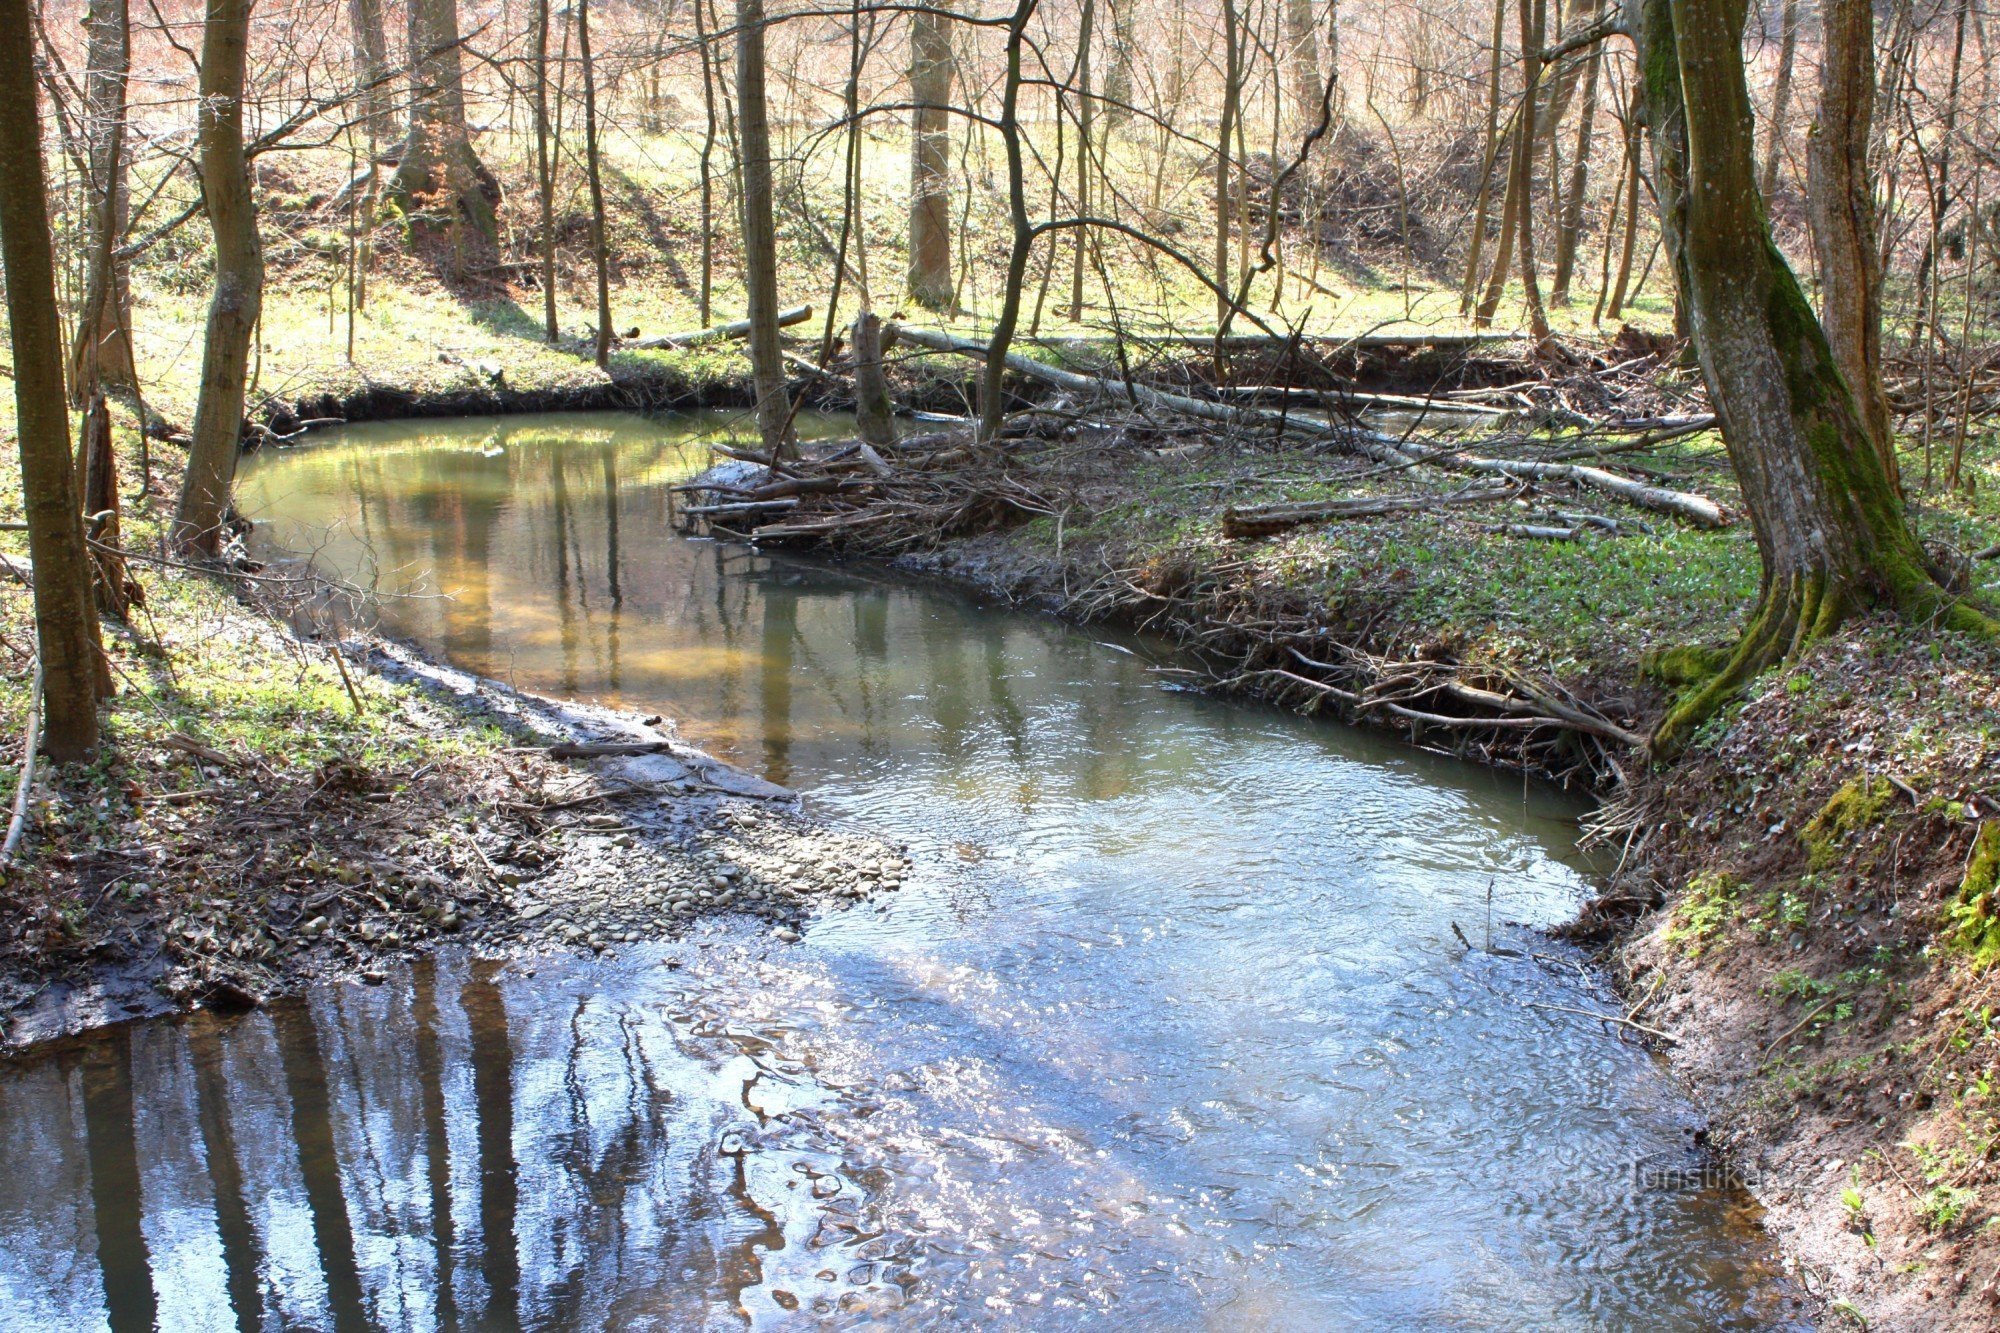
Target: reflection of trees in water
{"x": 319, "y": 1162}
{"x": 429, "y": 1050}
{"x": 493, "y": 1114}
{"x": 129, "y": 1299}
{"x": 242, "y": 1253}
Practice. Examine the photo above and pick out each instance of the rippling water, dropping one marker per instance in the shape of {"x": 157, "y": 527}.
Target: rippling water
{"x": 1167, "y": 1029}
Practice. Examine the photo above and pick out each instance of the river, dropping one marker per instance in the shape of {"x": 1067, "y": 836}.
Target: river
{"x": 1168, "y": 1028}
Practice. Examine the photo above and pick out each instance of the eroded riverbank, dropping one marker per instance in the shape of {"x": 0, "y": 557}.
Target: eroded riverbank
{"x": 1167, "y": 1019}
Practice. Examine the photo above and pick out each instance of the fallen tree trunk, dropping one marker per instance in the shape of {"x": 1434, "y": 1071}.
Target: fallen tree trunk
{"x": 1239, "y": 521}
{"x": 1696, "y": 509}
{"x": 1259, "y": 342}
{"x": 1356, "y": 400}
{"x": 798, "y": 314}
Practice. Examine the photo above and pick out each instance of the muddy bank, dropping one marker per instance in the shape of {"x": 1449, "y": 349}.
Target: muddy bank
{"x": 228, "y": 884}
{"x": 924, "y": 384}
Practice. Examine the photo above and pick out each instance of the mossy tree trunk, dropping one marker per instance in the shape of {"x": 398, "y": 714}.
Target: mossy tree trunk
{"x": 239, "y": 281}
{"x": 1830, "y": 528}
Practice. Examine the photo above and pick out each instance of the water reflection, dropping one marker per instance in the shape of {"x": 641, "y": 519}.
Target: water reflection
{"x": 1168, "y": 1028}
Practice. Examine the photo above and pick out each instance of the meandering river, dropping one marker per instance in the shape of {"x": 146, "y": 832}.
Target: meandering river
{"x": 1167, "y": 1029}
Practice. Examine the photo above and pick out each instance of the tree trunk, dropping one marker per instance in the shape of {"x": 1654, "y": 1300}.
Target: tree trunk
{"x": 992, "y": 381}
{"x": 1842, "y": 197}
{"x": 1118, "y": 78}
{"x": 1232, "y": 94}
{"x": 760, "y": 240}
{"x": 1085, "y": 112}
{"x": 439, "y": 167}
{"x": 65, "y": 623}
{"x": 874, "y": 413}
{"x": 707, "y": 165}
{"x": 371, "y": 67}
{"x": 1570, "y": 226}
{"x": 545, "y": 166}
{"x": 1302, "y": 61}
{"x": 599, "y": 250}
{"x": 1781, "y": 98}
{"x": 1830, "y": 529}
{"x": 239, "y": 281}
{"x": 1489, "y": 159}
{"x": 932, "y": 70}
{"x": 1534, "y": 27}
{"x": 102, "y": 351}
{"x": 97, "y": 466}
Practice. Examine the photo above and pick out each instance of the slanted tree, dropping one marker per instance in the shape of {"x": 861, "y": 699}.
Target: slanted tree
{"x": 439, "y": 167}
{"x": 66, "y": 633}
{"x": 238, "y": 299}
{"x": 102, "y": 350}
{"x": 760, "y": 235}
{"x": 1841, "y": 195}
{"x": 932, "y": 70}
{"x": 1830, "y": 529}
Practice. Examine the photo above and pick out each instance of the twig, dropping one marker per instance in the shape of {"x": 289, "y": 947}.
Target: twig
{"x": 27, "y": 782}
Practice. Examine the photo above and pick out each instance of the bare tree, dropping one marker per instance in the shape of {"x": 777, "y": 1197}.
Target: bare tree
{"x": 102, "y": 350}
{"x": 234, "y": 309}
{"x": 600, "y": 253}
{"x": 1781, "y": 98}
{"x": 760, "y": 237}
{"x": 932, "y": 70}
{"x": 65, "y": 624}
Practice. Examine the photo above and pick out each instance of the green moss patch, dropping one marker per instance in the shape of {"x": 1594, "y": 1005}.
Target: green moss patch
{"x": 1975, "y": 925}
{"x": 1858, "y": 804}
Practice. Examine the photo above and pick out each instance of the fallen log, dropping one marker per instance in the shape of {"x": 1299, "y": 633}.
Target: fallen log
{"x": 1240, "y": 521}
{"x": 1696, "y": 509}
{"x": 1260, "y": 342}
{"x": 1357, "y": 400}
{"x": 740, "y": 328}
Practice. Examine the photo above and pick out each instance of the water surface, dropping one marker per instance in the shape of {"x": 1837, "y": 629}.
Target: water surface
{"x": 1168, "y": 1029}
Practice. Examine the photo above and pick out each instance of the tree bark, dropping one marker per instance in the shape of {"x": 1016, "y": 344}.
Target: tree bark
{"x": 1232, "y": 95}
{"x": 760, "y": 238}
{"x": 1534, "y": 28}
{"x": 1842, "y": 199}
{"x": 102, "y": 350}
{"x": 932, "y": 71}
{"x": 599, "y": 250}
{"x": 1781, "y": 98}
{"x": 239, "y": 281}
{"x": 1302, "y": 66}
{"x": 1489, "y": 159}
{"x": 545, "y": 166}
{"x": 371, "y": 67}
{"x": 66, "y": 631}
{"x": 1830, "y": 529}
{"x": 439, "y": 167}
{"x": 874, "y": 413}
{"x": 1118, "y": 78}
{"x": 1570, "y": 225}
